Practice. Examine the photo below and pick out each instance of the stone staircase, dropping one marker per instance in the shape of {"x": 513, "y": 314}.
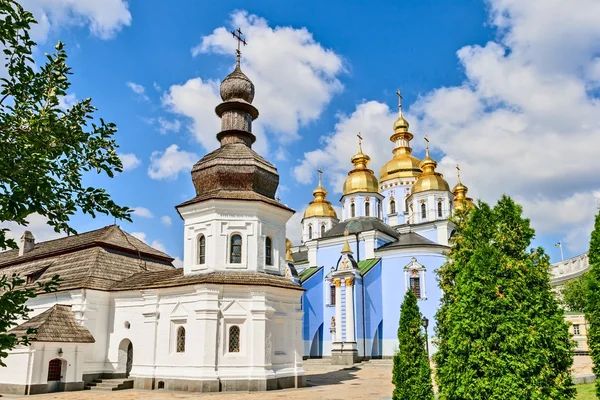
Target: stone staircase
{"x": 321, "y": 364}
{"x": 108, "y": 385}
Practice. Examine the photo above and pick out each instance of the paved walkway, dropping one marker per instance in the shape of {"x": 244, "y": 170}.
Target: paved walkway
{"x": 371, "y": 382}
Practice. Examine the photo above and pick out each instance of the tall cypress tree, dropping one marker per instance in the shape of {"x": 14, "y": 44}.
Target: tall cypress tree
{"x": 500, "y": 331}
{"x": 592, "y": 311}
{"x": 412, "y": 374}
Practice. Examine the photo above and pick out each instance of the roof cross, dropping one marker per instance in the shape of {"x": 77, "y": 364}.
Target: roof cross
{"x": 360, "y": 138}
{"x": 320, "y": 171}
{"x": 458, "y": 172}
{"x": 238, "y": 35}
{"x": 399, "y": 101}
{"x": 426, "y": 145}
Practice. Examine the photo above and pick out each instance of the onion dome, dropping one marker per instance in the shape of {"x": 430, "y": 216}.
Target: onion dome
{"x": 320, "y": 207}
{"x": 403, "y": 164}
{"x": 237, "y": 86}
{"x": 429, "y": 179}
{"x": 361, "y": 179}
{"x": 460, "y": 193}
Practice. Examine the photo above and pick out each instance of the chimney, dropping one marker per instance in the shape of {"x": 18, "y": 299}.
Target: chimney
{"x": 27, "y": 243}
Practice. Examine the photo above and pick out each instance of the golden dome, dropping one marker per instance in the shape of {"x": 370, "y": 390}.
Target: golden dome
{"x": 361, "y": 179}
{"x": 403, "y": 164}
{"x": 320, "y": 207}
{"x": 429, "y": 179}
{"x": 460, "y": 193}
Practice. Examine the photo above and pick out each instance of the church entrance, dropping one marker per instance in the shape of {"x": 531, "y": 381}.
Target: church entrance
{"x": 125, "y": 357}
{"x": 55, "y": 374}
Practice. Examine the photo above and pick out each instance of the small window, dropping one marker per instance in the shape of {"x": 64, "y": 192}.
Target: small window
{"x": 576, "y": 330}
{"x": 234, "y": 339}
{"x": 323, "y": 230}
{"x": 392, "y": 207}
{"x": 161, "y": 384}
{"x": 352, "y": 210}
{"x": 268, "y": 251}
{"x": 309, "y": 232}
{"x": 332, "y": 295}
{"x": 439, "y": 209}
{"x": 367, "y": 209}
{"x": 415, "y": 286}
{"x": 180, "y": 339}
{"x": 201, "y": 249}
{"x": 236, "y": 250}
{"x": 423, "y": 210}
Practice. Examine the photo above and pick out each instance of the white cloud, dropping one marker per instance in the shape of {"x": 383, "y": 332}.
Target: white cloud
{"x": 105, "y": 18}
{"x": 142, "y": 212}
{"x": 523, "y": 122}
{"x": 139, "y": 90}
{"x": 166, "y": 220}
{"x": 38, "y": 225}
{"x": 156, "y": 244}
{"x": 156, "y": 86}
{"x": 293, "y": 228}
{"x": 168, "y": 164}
{"x": 295, "y": 79}
{"x": 166, "y": 126}
{"x": 129, "y": 161}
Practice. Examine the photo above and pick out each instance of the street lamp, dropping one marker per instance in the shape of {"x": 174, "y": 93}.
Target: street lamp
{"x": 425, "y": 323}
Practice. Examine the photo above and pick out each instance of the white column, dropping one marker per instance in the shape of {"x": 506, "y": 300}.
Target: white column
{"x": 349, "y": 310}
{"x": 338, "y": 310}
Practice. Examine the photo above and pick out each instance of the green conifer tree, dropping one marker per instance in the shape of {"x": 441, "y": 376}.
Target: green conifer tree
{"x": 592, "y": 311}
{"x": 500, "y": 331}
{"x": 411, "y": 374}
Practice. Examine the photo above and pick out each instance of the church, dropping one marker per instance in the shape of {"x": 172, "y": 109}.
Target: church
{"x": 248, "y": 305}
{"x": 391, "y": 237}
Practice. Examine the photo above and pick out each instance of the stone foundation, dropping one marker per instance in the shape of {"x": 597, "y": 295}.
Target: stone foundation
{"x": 225, "y": 385}
{"x": 87, "y": 378}
{"x": 39, "y": 388}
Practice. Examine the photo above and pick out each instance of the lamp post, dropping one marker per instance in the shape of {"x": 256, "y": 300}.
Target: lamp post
{"x": 425, "y": 323}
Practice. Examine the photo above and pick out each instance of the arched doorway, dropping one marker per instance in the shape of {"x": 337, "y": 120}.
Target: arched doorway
{"x": 55, "y": 374}
{"x": 316, "y": 347}
{"x": 125, "y": 357}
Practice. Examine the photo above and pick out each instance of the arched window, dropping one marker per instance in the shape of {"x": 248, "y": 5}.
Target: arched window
{"x": 268, "y": 251}
{"x": 367, "y": 209}
{"x": 392, "y": 207}
{"x": 440, "y": 211}
{"x": 234, "y": 339}
{"x": 352, "y": 210}
{"x": 180, "y": 339}
{"x": 201, "y": 249}
{"x": 309, "y": 232}
{"x": 322, "y": 230}
{"x": 423, "y": 210}
{"x": 235, "y": 255}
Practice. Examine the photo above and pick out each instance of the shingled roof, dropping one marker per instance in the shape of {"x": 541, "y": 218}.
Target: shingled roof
{"x": 174, "y": 278}
{"x": 411, "y": 239}
{"x": 93, "y": 260}
{"x": 57, "y": 324}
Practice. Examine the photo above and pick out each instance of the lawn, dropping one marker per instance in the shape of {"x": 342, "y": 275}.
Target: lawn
{"x": 586, "y": 392}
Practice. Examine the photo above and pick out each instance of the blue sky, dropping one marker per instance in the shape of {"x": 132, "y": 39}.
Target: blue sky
{"x": 495, "y": 85}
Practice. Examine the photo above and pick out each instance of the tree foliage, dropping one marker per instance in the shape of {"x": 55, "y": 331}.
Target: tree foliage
{"x": 574, "y": 293}
{"x": 592, "y": 311}
{"x": 46, "y": 148}
{"x": 500, "y": 331}
{"x": 412, "y": 373}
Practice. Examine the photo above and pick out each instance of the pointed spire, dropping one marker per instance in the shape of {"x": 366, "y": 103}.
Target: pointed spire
{"x": 346, "y": 249}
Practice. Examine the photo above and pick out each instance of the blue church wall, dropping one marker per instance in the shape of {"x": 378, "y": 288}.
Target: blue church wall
{"x": 358, "y": 315}
{"x": 393, "y": 288}
{"x": 312, "y": 306}
{"x": 373, "y": 305}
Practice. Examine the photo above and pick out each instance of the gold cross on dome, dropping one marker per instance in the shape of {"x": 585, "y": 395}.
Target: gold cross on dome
{"x": 360, "y": 138}
{"x": 458, "y": 172}
{"x": 238, "y": 35}
{"x": 399, "y": 98}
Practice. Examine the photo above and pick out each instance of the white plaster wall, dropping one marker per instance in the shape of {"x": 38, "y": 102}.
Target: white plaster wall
{"x": 18, "y": 363}
{"x": 316, "y": 223}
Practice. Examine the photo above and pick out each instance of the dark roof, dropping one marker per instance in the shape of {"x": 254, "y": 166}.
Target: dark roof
{"x": 300, "y": 256}
{"x": 361, "y": 224}
{"x": 307, "y": 273}
{"x": 366, "y": 265}
{"x": 233, "y": 195}
{"x": 411, "y": 239}
{"x": 110, "y": 236}
{"x": 173, "y": 278}
{"x": 57, "y": 324}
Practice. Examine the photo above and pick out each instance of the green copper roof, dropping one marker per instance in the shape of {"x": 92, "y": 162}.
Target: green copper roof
{"x": 365, "y": 265}
{"x": 307, "y": 273}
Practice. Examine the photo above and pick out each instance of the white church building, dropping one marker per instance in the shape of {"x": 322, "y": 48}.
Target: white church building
{"x": 123, "y": 316}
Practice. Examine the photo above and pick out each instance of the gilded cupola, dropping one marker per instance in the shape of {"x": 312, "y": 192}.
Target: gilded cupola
{"x": 361, "y": 179}
{"x": 403, "y": 164}
{"x": 460, "y": 193}
{"x": 429, "y": 179}
{"x": 320, "y": 207}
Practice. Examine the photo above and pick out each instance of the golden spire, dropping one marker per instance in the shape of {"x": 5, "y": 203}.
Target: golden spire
{"x": 429, "y": 179}
{"x": 460, "y": 193}
{"x": 320, "y": 207}
{"x": 346, "y": 249}
{"x": 361, "y": 179}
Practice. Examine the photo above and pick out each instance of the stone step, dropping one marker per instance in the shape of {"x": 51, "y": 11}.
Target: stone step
{"x": 109, "y": 384}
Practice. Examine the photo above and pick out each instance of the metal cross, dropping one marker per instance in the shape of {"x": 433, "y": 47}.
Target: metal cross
{"x": 359, "y": 140}
{"x": 320, "y": 171}
{"x": 399, "y": 98}
{"x": 238, "y": 35}
{"x": 427, "y": 144}
{"x": 458, "y": 172}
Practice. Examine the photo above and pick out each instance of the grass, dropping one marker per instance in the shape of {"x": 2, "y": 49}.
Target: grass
{"x": 586, "y": 392}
